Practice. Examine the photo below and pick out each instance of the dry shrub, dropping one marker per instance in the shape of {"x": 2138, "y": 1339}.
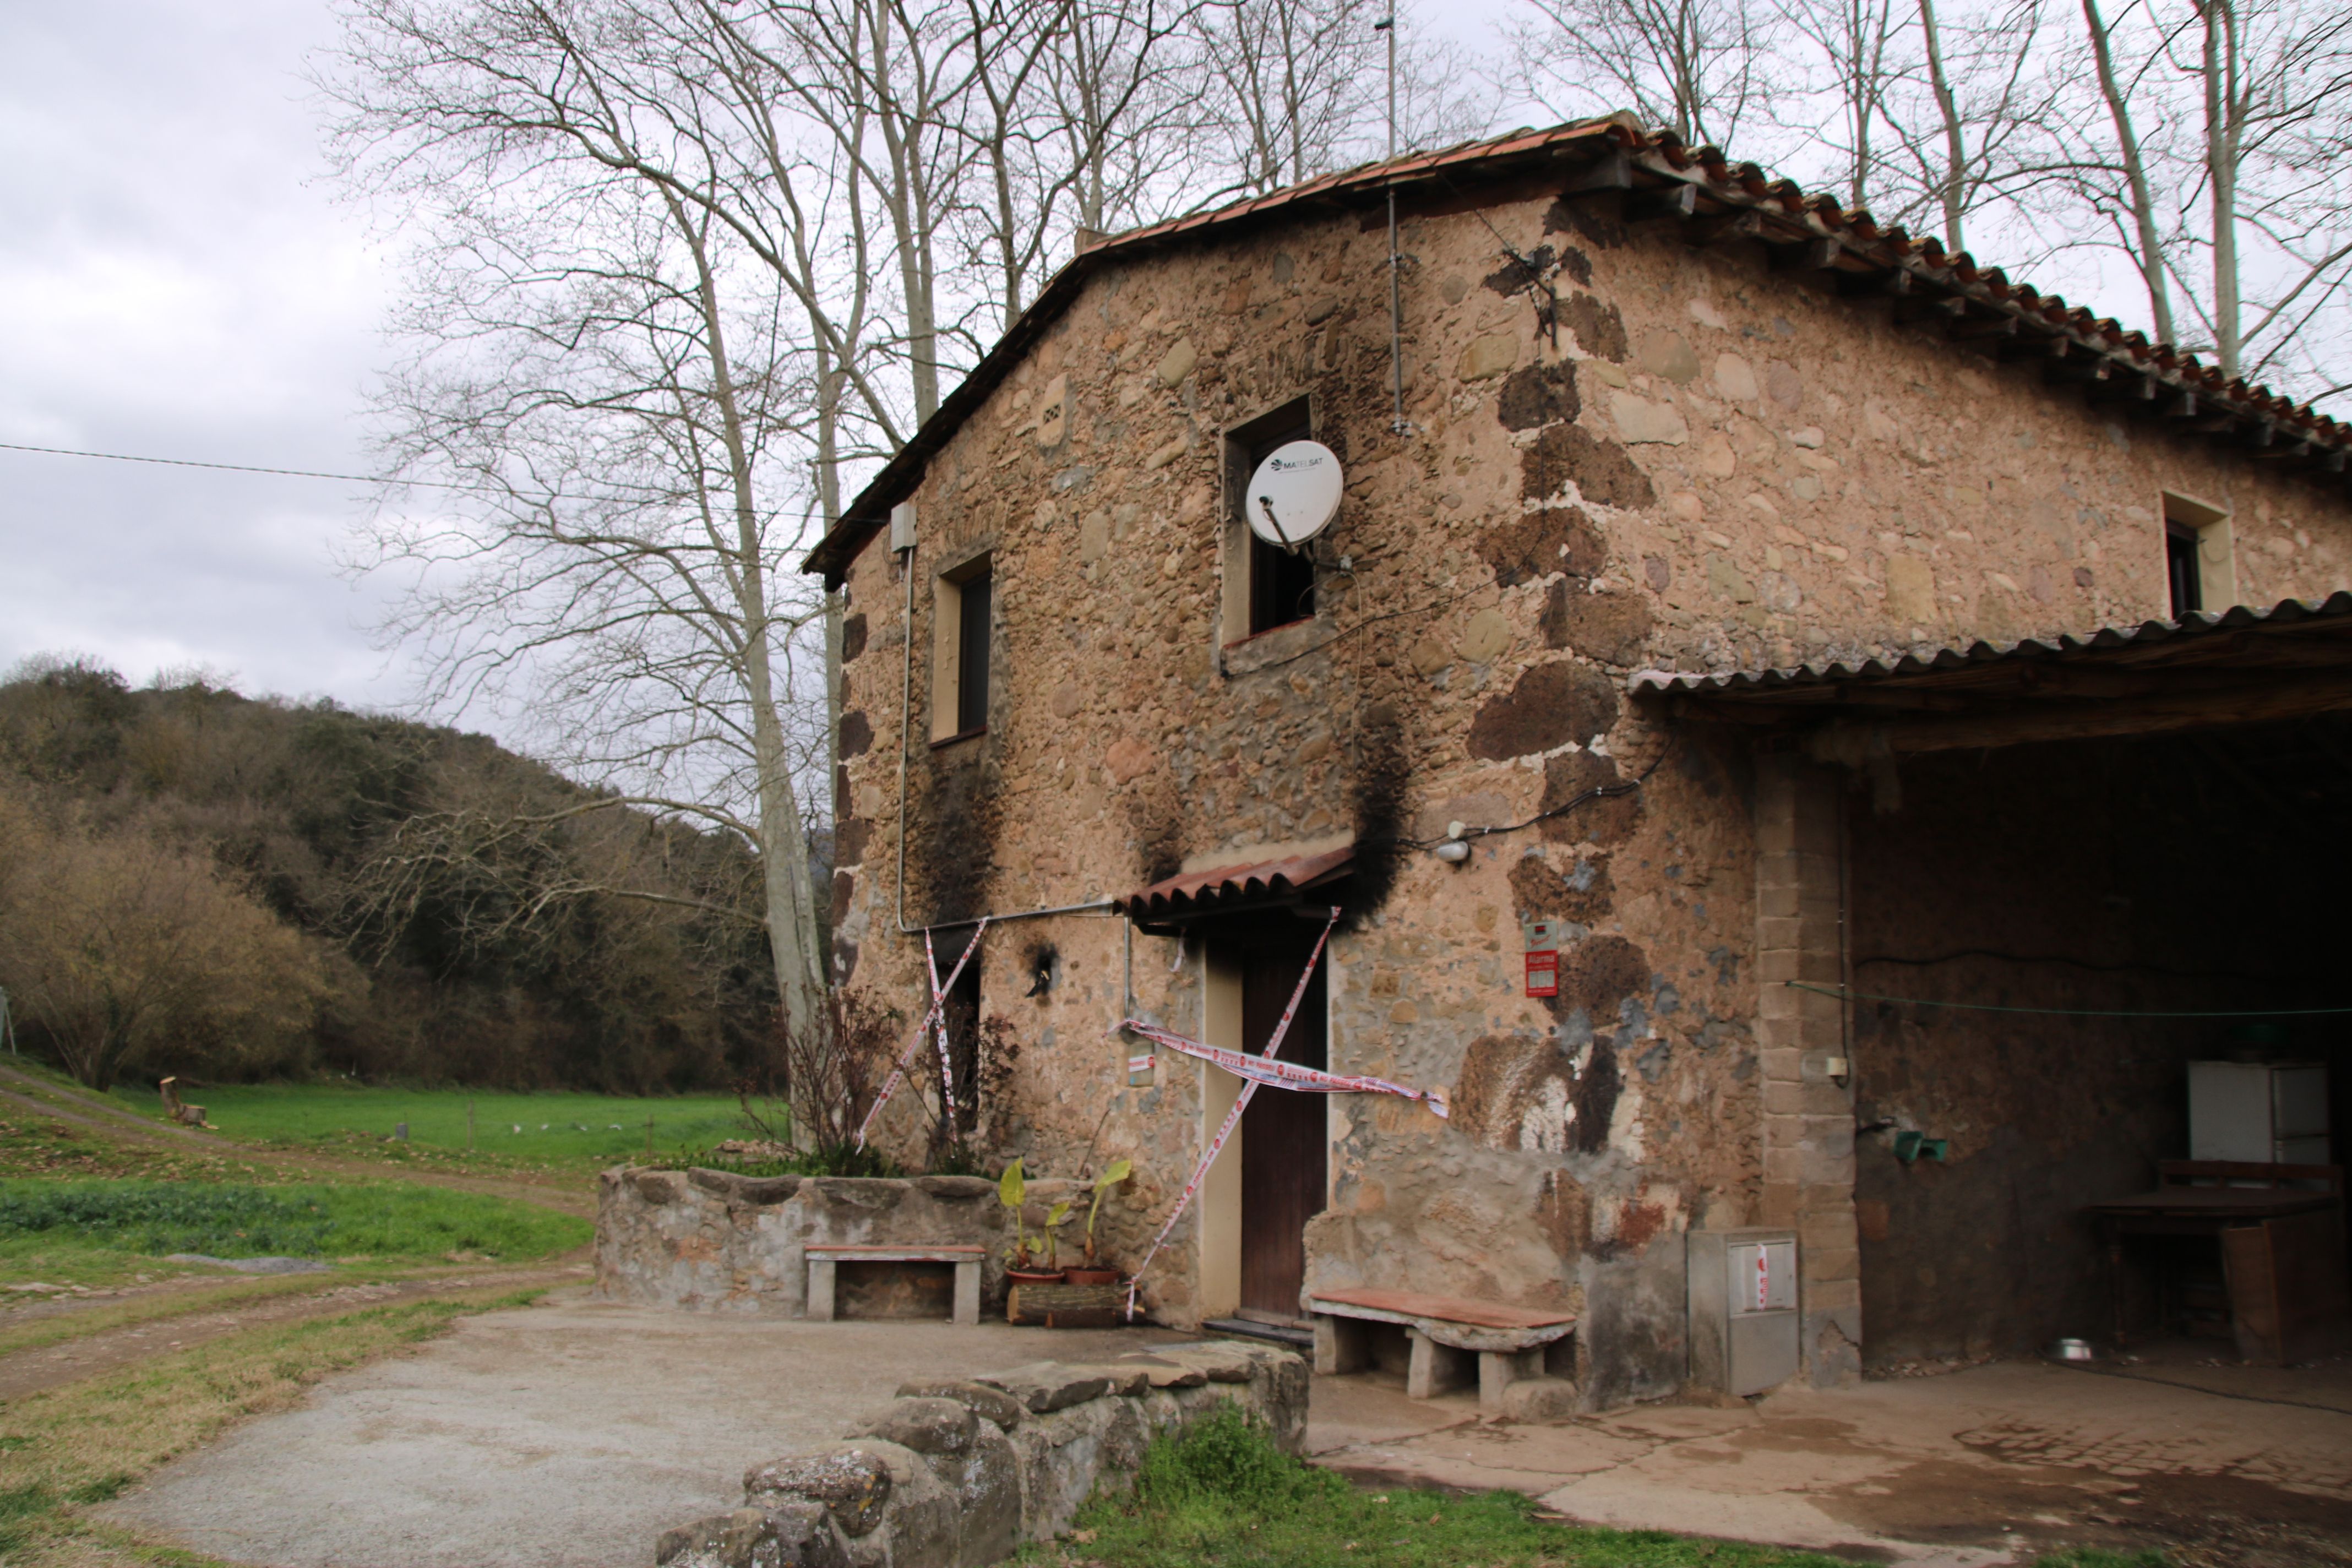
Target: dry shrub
{"x": 123, "y": 950}
{"x": 822, "y": 1081}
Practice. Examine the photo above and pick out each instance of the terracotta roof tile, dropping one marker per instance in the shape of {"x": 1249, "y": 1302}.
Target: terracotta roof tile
{"x": 1199, "y": 892}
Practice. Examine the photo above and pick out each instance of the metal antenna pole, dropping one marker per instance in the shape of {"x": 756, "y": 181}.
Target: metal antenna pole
{"x": 1397, "y": 423}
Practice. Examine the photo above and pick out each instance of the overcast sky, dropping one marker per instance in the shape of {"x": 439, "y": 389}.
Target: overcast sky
{"x": 176, "y": 282}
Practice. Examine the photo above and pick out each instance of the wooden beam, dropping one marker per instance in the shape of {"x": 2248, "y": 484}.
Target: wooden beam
{"x": 1917, "y": 307}
{"x": 1613, "y": 171}
{"x": 1969, "y": 329}
{"x": 1808, "y": 255}
{"x": 1678, "y": 200}
{"x": 2123, "y": 387}
{"x": 2026, "y": 343}
{"x": 1892, "y": 282}
{"x": 2251, "y": 703}
{"x": 1732, "y": 223}
{"x": 2065, "y": 361}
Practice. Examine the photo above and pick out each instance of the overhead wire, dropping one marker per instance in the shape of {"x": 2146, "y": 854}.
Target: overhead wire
{"x": 235, "y": 467}
{"x": 1844, "y": 995}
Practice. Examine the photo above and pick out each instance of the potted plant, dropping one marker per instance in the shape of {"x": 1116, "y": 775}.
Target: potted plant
{"x": 1020, "y": 1266}
{"x": 1090, "y": 1273}
{"x": 1054, "y": 1217}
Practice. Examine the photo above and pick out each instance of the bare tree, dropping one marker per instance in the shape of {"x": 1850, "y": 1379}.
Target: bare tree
{"x": 1704, "y": 70}
{"x": 1858, "y": 42}
{"x": 602, "y": 355}
{"x": 1972, "y": 131}
{"x": 2219, "y": 160}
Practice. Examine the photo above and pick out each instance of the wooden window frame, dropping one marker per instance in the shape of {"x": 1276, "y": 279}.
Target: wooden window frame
{"x": 953, "y": 640}
{"x": 1242, "y": 613}
{"x": 2189, "y": 520}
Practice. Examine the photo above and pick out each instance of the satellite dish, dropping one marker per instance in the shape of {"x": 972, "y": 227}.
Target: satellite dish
{"x": 1294, "y": 494}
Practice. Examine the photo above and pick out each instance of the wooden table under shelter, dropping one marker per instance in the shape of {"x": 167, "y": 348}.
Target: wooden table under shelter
{"x": 2280, "y": 1229}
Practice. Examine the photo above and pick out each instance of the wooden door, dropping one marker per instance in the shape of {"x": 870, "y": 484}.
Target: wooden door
{"x": 1284, "y": 1135}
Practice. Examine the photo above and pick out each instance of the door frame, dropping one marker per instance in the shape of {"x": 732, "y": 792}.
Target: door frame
{"x": 1219, "y": 1265}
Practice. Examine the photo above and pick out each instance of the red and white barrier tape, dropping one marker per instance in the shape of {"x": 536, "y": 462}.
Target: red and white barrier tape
{"x": 939, "y": 1000}
{"x": 1281, "y": 1075}
{"x": 947, "y": 1073}
{"x": 1234, "y": 1117}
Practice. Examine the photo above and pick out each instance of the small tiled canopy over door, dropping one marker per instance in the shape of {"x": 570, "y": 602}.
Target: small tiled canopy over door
{"x": 1284, "y": 1135}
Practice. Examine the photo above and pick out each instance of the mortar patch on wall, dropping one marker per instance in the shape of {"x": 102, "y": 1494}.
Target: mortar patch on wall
{"x": 1604, "y": 473}
{"x": 1548, "y": 707}
{"x": 1561, "y": 540}
{"x": 1607, "y": 820}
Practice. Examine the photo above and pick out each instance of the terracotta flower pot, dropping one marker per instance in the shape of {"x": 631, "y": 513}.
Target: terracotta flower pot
{"x": 1032, "y": 1277}
{"x": 1090, "y": 1276}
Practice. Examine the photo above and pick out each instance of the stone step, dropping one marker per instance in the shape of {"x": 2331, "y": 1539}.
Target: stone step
{"x": 1242, "y": 1328}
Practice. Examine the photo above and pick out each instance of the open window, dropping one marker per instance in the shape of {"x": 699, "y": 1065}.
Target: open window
{"x": 2200, "y": 569}
{"x": 963, "y": 601}
{"x": 1266, "y": 586}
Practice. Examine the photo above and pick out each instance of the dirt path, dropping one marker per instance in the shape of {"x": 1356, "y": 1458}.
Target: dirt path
{"x": 70, "y": 1361}
{"x": 40, "y": 1098}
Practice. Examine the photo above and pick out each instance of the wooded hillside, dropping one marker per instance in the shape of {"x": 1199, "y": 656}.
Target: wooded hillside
{"x": 199, "y": 883}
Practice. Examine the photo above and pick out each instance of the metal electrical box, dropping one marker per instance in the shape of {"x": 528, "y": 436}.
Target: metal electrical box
{"x": 2270, "y": 1113}
{"x": 1743, "y": 1308}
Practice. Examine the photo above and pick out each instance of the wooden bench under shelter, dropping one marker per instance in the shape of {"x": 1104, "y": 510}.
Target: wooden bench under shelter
{"x": 1443, "y": 1333}
{"x": 823, "y": 1257}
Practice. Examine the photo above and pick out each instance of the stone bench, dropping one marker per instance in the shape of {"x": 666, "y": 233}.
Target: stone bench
{"x": 822, "y": 1258}
{"x": 1444, "y": 1332}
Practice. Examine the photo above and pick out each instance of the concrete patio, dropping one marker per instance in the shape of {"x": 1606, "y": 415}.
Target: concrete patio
{"x": 2220, "y": 1465}
{"x": 571, "y": 1431}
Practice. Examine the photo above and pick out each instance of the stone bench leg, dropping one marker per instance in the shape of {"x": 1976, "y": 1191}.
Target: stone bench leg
{"x": 1342, "y": 1344}
{"x": 1497, "y": 1370}
{"x": 820, "y": 1289}
{"x": 967, "y": 1294}
{"x": 1434, "y": 1369}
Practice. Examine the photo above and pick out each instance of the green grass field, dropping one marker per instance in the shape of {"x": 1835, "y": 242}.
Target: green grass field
{"x": 104, "y": 1233}
{"x": 553, "y": 1129}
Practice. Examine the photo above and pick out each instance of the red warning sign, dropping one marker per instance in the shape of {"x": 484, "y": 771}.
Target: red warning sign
{"x": 1543, "y": 974}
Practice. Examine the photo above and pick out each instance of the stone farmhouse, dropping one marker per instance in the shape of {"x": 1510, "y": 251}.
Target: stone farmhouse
{"x": 1829, "y": 641}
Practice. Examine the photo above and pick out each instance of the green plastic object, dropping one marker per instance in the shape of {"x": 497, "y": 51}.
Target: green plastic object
{"x": 1914, "y": 1146}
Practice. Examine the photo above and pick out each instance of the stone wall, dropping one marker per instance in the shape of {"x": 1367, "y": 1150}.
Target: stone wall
{"x": 1642, "y": 454}
{"x": 737, "y": 1244}
{"x": 954, "y": 1475}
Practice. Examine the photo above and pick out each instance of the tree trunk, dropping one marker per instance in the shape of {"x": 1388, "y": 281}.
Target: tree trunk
{"x": 2150, "y": 254}
{"x": 2221, "y": 172}
{"x": 1955, "y": 154}
{"x": 783, "y": 842}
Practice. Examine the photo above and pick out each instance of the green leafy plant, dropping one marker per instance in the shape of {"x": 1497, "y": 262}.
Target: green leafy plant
{"x": 1013, "y": 1191}
{"x": 1116, "y": 1171}
{"x": 1054, "y": 1218}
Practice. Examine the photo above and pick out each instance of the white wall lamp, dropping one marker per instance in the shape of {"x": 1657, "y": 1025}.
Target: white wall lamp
{"x": 1454, "y": 849}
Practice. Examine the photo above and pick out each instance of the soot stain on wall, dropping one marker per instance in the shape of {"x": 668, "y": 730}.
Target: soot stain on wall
{"x": 1381, "y": 782}
{"x": 957, "y": 832}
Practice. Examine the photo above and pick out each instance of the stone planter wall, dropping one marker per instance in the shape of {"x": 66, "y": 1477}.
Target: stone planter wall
{"x": 721, "y": 1242}
{"x": 955, "y": 1474}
